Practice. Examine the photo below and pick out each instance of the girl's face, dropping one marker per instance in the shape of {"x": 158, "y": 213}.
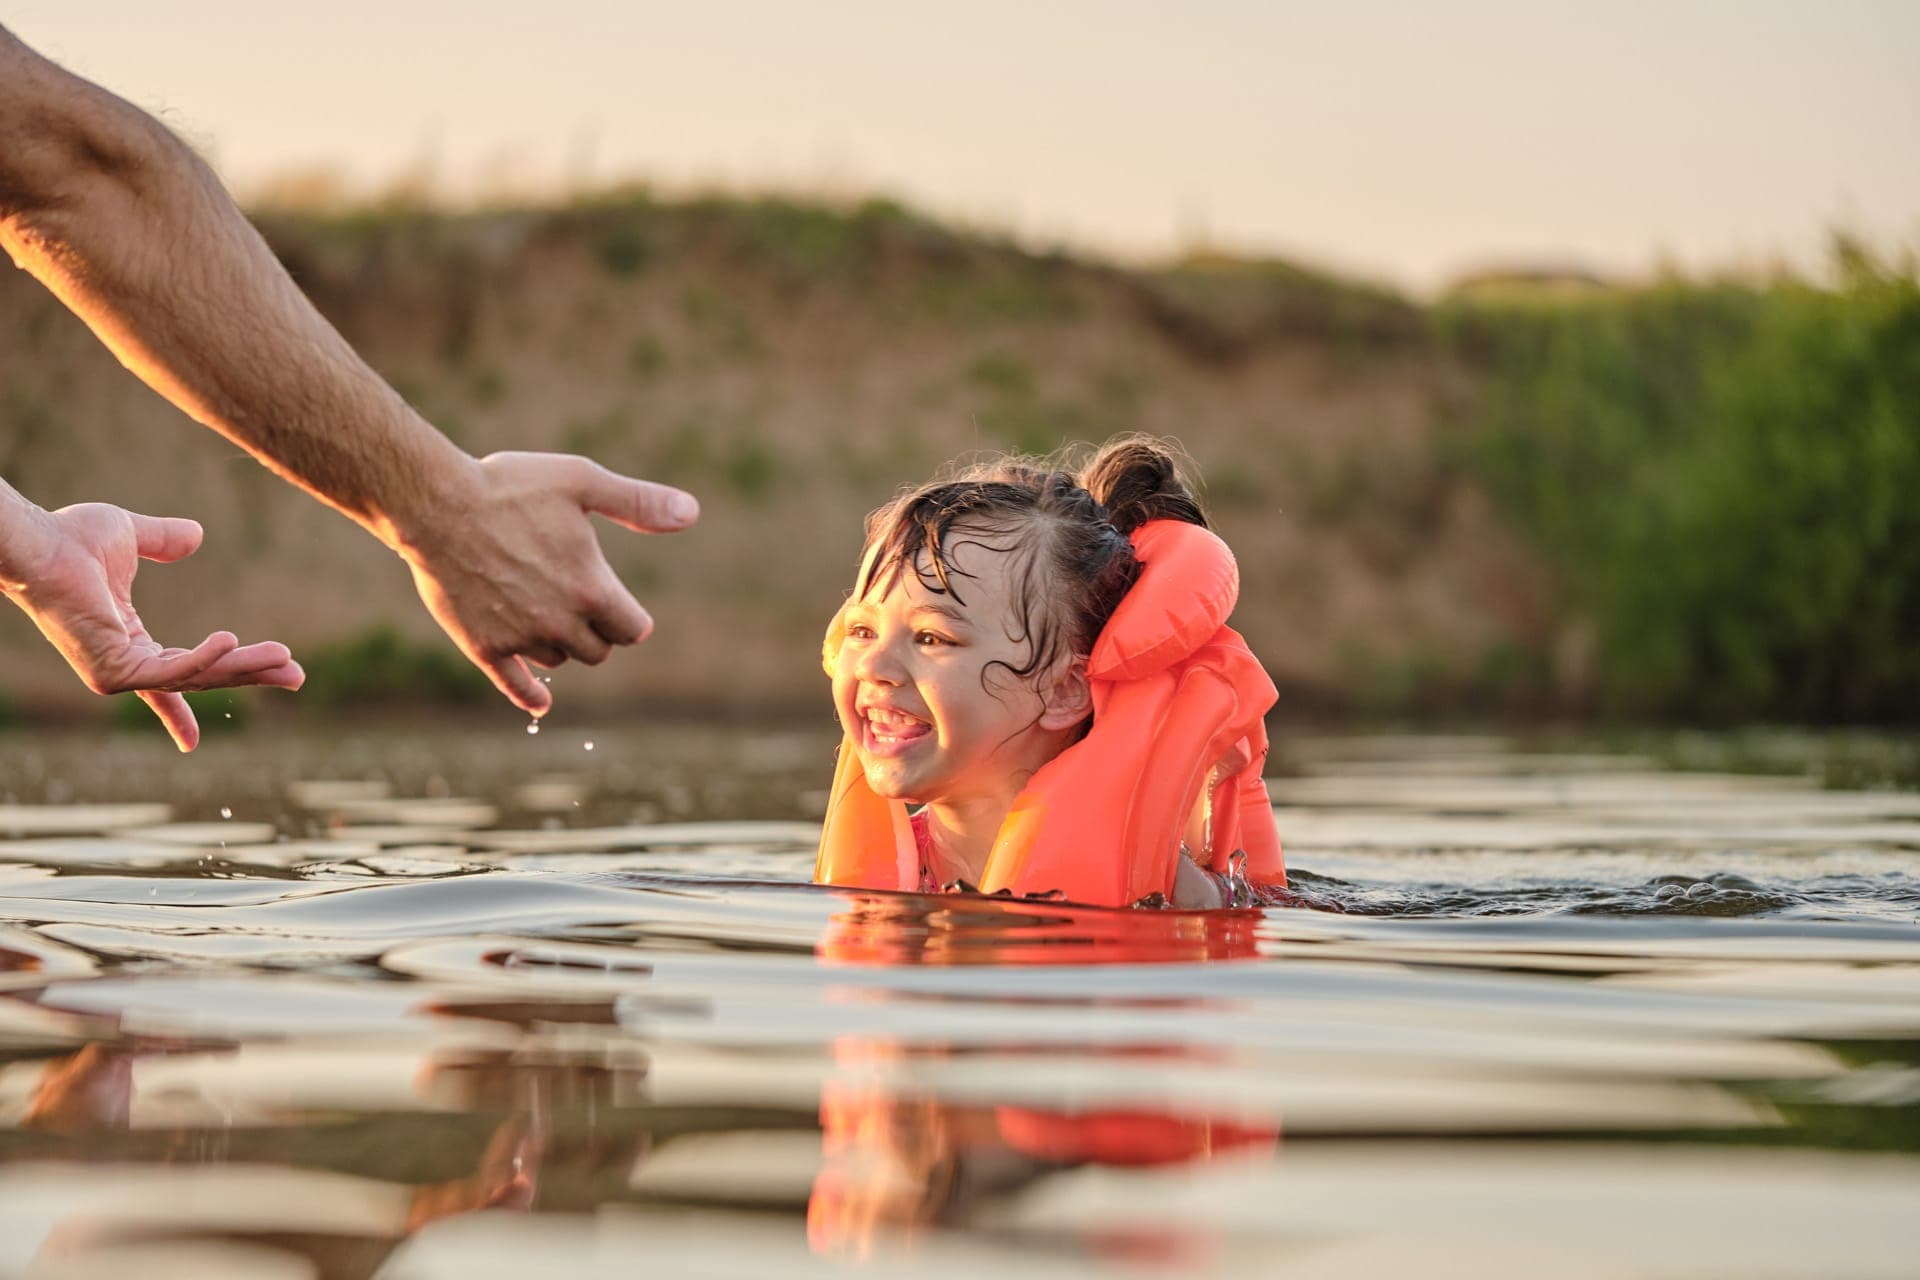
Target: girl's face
{"x": 919, "y": 691}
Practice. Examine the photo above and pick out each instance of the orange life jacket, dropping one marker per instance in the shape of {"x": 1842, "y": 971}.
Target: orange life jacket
{"x": 1178, "y": 713}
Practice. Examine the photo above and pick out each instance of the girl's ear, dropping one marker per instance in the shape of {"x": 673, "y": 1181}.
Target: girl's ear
{"x": 1068, "y": 697}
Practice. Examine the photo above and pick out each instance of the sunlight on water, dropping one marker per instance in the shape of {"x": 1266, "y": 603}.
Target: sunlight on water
{"x": 1524, "y": 1015}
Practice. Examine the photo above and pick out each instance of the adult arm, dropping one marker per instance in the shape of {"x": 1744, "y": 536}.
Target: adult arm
{"x": 136, "y": 235}
{"x": 72, "y": 571}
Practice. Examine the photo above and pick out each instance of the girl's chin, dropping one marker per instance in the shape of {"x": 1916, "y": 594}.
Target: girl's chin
{"x": 892, "y": 783}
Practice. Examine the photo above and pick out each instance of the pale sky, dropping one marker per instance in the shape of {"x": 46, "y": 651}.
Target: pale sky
{"x": 1409, "y": 140}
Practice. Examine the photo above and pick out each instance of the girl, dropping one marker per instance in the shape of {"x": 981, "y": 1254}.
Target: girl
{"x": 984, "y": 669}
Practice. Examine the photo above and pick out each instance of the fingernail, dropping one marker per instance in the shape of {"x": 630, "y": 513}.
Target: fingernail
{"x": 683, "y": 507}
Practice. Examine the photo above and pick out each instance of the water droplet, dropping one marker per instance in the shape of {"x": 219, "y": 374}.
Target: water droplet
{"x": 533, "y": 726}
{"x": 225, "y": 812}
{"x": 587, "y": 745}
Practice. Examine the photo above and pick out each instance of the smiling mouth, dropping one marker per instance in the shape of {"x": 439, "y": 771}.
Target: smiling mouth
{"x": 887, "y": 732}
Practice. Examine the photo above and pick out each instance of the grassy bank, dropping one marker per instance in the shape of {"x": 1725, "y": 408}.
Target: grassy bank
{"x": 1675, "y": 501}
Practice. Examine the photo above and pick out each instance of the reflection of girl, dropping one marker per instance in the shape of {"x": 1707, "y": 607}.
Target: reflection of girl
{"x": 895, "y": 1163}
{"x": 966, "y": 660}
{"x": 898, "y": 1157}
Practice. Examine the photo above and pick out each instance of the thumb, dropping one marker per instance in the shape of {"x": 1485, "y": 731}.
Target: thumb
{"x": 640, "y": 505}
{"x": 165, "y": 538}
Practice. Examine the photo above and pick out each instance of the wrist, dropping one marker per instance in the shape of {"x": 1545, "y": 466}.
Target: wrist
{"x": 440, "y": 483}
{"x": 27, "y": 536}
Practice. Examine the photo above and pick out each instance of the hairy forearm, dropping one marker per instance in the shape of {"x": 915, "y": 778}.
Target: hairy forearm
{"x": 138, "y": 237}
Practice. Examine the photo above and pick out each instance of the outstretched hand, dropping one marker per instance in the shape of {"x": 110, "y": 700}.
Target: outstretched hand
{"x": 512, "y": 570}
{"x": 131, "y": 230}
{"x": 79, "y": 591}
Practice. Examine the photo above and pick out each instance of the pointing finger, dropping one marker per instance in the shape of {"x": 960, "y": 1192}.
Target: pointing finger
{"x": 165, "y": 538}
{"x": 640, "y": 505}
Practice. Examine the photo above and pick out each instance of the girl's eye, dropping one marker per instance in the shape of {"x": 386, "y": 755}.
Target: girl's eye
{"x": 930, "y": 638}
{"x": 859, "y": 631}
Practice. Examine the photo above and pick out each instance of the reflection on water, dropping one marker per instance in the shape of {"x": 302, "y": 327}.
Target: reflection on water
{"x": 421, "y": 1008}
{"x": 898, "y": 1155}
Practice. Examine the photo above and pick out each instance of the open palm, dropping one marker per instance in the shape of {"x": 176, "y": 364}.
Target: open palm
{"x": 81, "y": 598}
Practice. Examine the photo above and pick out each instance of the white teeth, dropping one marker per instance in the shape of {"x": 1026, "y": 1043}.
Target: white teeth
{"x": 887, "y": 716}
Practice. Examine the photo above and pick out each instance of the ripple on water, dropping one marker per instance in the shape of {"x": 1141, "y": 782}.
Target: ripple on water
{"x": 20, "y": 820}
{"x": 205, "y": 835}
{"x": 1542, "y": 997}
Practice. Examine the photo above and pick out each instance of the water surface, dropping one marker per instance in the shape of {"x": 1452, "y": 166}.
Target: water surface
{"x": 450, "y": 1005}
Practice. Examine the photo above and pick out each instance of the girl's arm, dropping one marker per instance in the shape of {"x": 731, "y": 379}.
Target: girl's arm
{"x": 1195, "y": 889}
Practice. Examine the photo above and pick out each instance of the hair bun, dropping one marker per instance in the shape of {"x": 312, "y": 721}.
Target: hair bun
{"x": 1138, "y": 478}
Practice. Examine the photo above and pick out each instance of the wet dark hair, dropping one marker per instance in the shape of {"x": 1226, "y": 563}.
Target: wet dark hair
{"x": 1068, "y": 523}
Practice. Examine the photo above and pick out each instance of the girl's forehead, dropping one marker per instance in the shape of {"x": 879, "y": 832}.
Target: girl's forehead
{"x": 977, "y": 574}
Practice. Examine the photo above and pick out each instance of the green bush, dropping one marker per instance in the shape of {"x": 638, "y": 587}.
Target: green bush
{"x": 624, "y": 248}
{"x": 217, "y": 710}
{"x": 1725, "y": 476}
{"x": 807, "y": 239}
{"x": 380, "y": 666}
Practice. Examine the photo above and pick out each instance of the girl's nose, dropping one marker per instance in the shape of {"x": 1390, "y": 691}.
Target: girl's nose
{"x": 878, "y": 664}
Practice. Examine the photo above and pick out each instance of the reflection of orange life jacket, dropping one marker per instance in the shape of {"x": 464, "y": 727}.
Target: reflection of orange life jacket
{"x": 882, "y": 1121}
{"x": 1178, "y": 707}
